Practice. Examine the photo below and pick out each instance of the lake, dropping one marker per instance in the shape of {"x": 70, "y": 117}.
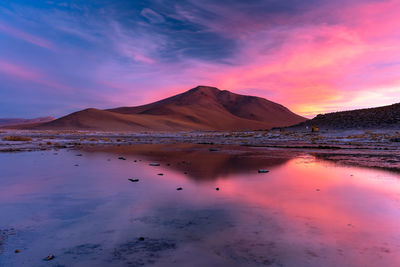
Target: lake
{"x": 79, "y": 206}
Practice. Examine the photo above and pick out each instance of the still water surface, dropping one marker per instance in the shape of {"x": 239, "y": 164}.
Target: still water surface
{"x": 85, "y": 211}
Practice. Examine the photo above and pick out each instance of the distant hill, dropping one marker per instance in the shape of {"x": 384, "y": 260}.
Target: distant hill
{"x": 20, "y": 121}
{"x": 386, "y": 117}
{"x": 201, "y": 108}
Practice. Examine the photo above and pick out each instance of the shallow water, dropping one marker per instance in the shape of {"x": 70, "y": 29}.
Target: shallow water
{"x": 85, "y": 211}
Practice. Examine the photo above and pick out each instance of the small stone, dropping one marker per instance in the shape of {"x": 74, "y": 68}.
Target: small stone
{"x": 185, "y": 173}
{"x": 133, "y": 180}
{"x": 179, "y": 188}
{"x": 78, "y": 155}
{"x": 213, "y": 149}
{"x": 76, "y": 165}
{"x": 122, "y": 158}
{"x": 217, "y": 188}
{"x": 154, "y": 164}
{"x": 168, "y": 164}
{"x": 49, "y": 258}
{"x": 135, "y": 160}
{"x": 161, "y": 174}
{"x": 317, "y": 189}
{"x": 16, "y": 251}
{"x": 262, "y": 171}
{"x": 141, "y": 238}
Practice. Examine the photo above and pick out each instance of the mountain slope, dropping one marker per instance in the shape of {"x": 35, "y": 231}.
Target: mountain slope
{"x": 386, "y": 117}
{"x": 201, "y": 108}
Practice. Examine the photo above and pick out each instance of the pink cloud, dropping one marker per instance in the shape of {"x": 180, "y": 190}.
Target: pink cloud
{"x": 26, "y": 36}
{"x": 21, "y": 72}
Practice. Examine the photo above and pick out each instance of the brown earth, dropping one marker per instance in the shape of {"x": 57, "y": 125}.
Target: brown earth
{"x": 201, "y": 108}
{"x": 386, "y": 117}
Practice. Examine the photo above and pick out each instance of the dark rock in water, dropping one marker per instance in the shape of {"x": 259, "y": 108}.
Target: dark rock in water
{"x": 395, "y": 140}
{"x": 49, "y": 258}
{"x": 16, "y": 251}
{"x": 78, "y": 155}
{"x": 141, "y": 238}
{"x": 133, "y": 180}
{"x": 213, "y": 149}
{"x": 262, "y": 171}
{"x": 154, "y": 164}
{"x": 76, "y": 165}
{"x": 317, "y": 189}
{"x": 160, "y": 174}
{"x": 168, "y": 164}
{"x": 185, "y": 173}
{"x": 122, "y": 158}
{"x": 135, "y": 160}
{"x": 179, "y": 188}
{"x": 217, "y": 188}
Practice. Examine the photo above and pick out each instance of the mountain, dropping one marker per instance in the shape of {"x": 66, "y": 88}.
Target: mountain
{"x": 201, "y": 108}
{"x": 386, "y": 117}
{"x": 20, "y": 121}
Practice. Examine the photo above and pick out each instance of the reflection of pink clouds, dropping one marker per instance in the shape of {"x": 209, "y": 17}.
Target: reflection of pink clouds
{"x": 25, "y": 36}
{"x": 365, "y": 201}
{"x": 338, "y": 196}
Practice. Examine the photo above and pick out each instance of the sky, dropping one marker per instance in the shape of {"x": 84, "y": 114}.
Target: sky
{"x": 312, "y": 56}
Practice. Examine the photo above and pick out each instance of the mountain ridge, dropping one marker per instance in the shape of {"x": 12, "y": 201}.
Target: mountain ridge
{"x": 384, "y": 117}
{"x": 200, "y": 108}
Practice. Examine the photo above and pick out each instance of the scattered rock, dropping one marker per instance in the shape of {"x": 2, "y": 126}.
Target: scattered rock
{"x": 49, "y": 258}
{"x": 122, "y": 158}
{"x": 395, "y": 139}
{"x": 133, "y": 180}
{"x": 179, "y": 188}
{"x": 262, "y": 171}
{"x": 154, "y": 164}
{"x": 16, "y": 251}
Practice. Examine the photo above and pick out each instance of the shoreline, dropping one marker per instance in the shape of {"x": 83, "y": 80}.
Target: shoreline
{"x": 375, "y": 149}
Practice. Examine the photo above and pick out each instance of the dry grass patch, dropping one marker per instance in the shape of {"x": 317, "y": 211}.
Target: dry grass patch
{"x": 16, "y": 138}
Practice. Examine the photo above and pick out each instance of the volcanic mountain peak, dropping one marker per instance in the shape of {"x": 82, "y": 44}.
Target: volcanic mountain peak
{"x": 200, "y": 108}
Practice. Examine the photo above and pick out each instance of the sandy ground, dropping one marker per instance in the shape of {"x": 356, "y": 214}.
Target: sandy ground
{"x": 374, "y": 148}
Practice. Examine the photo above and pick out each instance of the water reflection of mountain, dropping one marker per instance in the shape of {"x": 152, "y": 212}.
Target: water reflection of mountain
{"x": 200, "y": 162}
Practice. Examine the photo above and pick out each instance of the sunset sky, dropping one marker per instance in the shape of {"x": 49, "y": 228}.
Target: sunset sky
{"x": 313, "y": 56}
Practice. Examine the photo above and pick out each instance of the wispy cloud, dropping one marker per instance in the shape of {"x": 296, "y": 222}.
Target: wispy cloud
{"x": 312, "y": 56}
{"x": 25, "y": 36}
